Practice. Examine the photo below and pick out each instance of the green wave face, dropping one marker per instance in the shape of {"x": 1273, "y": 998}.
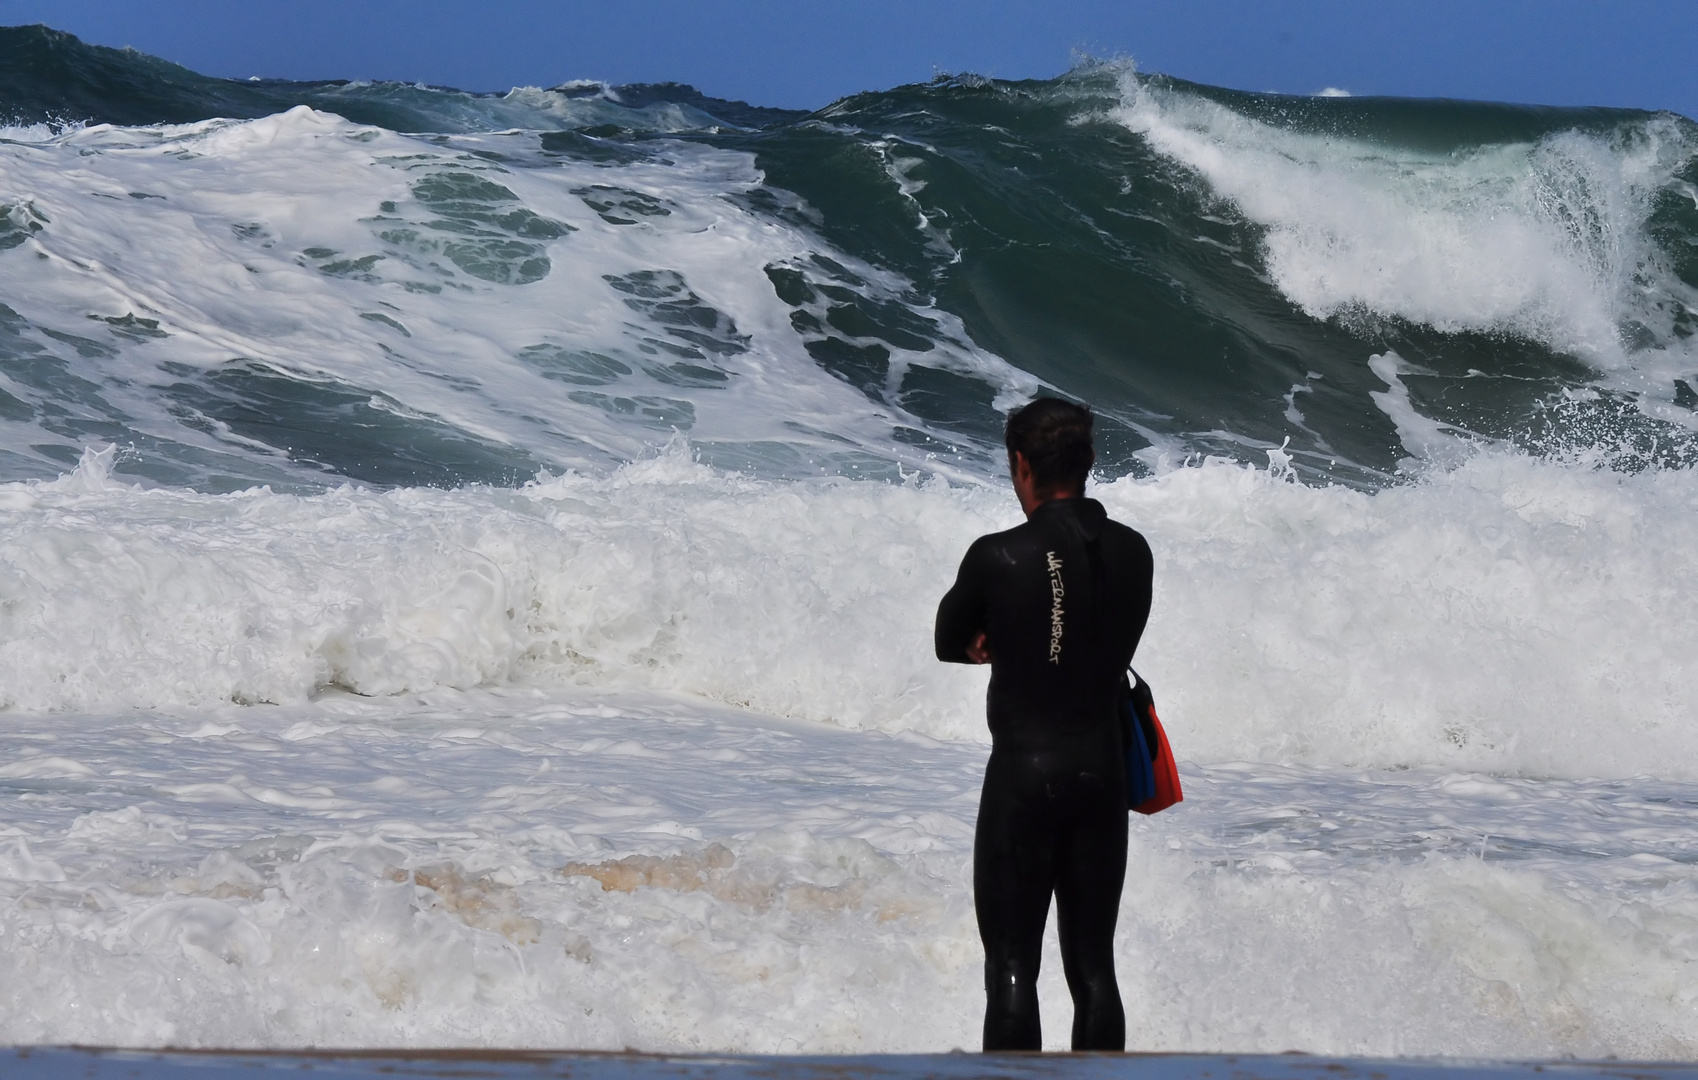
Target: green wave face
{"x": 1366, "y": 283}
{"x": 1211, "y": 267}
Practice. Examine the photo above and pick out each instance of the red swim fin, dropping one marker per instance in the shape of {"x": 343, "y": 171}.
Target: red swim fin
{"x": 1166, "y": 772}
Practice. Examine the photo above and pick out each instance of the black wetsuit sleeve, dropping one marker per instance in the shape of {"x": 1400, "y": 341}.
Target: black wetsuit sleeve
{"x": 961, "y": 614}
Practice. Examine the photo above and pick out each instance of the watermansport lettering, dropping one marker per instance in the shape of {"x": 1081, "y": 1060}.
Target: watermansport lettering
{"x": 1056, "y": 592}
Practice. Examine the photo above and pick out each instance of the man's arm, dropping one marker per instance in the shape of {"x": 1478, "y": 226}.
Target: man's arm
{"x": 1141, "y": 583}
{"x": 960, "y": 634}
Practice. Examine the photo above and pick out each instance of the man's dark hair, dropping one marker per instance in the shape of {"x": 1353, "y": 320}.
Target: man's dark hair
{"x": 1054, "y": 437}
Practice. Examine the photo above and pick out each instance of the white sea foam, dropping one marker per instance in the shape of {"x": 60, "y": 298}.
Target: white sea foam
{"x": 635, "y": 870}
{"x": 36, "y": 133}
{"x": 1509, "y": 614}
{"x": 1541, "y": 239}
{"x": 573, "y": 311}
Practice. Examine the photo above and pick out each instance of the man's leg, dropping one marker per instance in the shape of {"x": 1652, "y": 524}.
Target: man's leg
{"x": 1013, "y": 877}
{"x": 1090, "y": 870}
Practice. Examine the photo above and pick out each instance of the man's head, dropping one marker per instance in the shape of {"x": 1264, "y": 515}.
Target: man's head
{"x": 1053, "y": 439}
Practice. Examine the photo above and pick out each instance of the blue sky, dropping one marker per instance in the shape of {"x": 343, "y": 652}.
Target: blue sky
{"x": 804, "y": 53}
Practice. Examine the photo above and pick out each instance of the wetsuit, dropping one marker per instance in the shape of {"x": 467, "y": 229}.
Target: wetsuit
{"x": 1062, "y": 600}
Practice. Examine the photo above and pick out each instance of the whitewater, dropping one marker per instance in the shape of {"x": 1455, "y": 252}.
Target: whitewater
{"x": 472, "y": 585}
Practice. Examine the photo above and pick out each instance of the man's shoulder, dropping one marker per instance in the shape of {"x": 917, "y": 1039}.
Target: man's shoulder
{"x": 1122, "y": 530}
{"x": 1124, "y": 538}
{"x": 1005, "y": 547}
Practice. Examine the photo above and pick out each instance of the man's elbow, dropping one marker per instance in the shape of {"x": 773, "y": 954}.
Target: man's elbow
{"x": 950, "y": 649}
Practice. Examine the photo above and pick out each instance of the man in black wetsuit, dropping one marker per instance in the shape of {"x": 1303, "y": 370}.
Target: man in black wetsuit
{"x": 1056, "y": 607}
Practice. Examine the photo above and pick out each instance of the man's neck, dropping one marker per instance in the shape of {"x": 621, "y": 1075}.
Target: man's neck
{"x": 1036, "y": 499}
